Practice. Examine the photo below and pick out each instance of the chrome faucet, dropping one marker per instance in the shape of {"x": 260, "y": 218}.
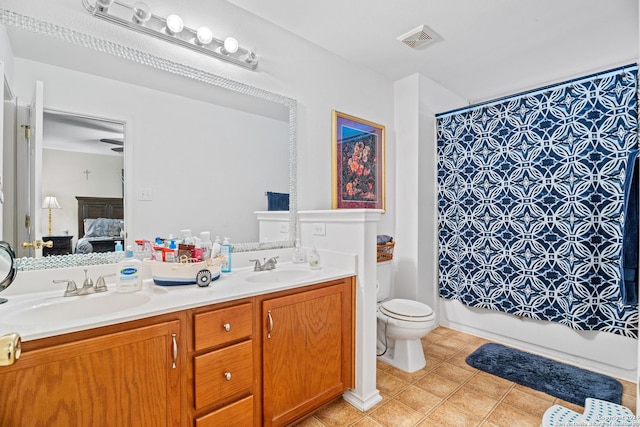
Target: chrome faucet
{"x": 269, "y": 264}
{"x": 88, "y": 287}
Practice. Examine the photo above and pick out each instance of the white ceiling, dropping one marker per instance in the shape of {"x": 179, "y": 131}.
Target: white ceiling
{"x": 489, "y": 48}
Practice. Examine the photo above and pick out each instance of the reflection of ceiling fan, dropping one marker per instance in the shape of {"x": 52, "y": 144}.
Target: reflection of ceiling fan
{"x": 115, "y": 141}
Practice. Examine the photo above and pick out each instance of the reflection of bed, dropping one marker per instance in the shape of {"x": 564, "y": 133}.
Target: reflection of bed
{"x": 99, "y": 223}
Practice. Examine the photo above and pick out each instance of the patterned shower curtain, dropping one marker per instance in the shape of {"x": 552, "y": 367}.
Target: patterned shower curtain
{"x": 531, "y": 202}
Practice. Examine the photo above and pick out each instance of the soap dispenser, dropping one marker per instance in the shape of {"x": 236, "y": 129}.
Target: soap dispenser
{"x": 298, "y": 254}
{"x": 225, "y": 251}
{"x": 314, "y": 259}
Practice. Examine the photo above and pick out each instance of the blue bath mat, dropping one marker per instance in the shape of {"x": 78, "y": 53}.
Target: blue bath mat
{"x": 564, "y": 381}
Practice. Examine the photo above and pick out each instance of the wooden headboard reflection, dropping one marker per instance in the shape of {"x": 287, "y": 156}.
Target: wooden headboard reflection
{"x": 98, "y": 207}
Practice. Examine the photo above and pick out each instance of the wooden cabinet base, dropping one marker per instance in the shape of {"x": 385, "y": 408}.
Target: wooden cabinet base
{"x": 237, "y": 414}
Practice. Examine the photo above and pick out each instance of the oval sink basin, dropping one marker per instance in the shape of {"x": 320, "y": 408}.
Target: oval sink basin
{"x": 274, "y": 276}
{"x": 60, "y": 309}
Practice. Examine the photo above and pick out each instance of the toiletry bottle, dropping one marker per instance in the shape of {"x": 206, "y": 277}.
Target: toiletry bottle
{"x": 314, "y": 259}
{"x": 225, "y": 251}
{"x": 172, "y": 254}
{"x": 215, "y": 248}
{"x": 207, "y": 244}
{"x": 118, "y": 246}
{"x": 129, "y": 274}
{"x": 298, "y": 254}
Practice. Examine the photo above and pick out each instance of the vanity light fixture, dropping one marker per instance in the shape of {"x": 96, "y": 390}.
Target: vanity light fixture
{"x": 204, "y": 36}
{"x": 229, "y": 46}
{"x": 103, "y": 5}
{"x": 171, "y": 29}
{"x": 141, "y": 13}
{"x": 174, "y": 25}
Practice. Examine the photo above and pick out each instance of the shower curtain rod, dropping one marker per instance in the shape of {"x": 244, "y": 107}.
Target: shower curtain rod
{"x": 624, "y": 68}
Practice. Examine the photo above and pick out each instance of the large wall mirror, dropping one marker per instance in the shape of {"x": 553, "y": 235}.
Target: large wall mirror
{"x": 200, "y": 151}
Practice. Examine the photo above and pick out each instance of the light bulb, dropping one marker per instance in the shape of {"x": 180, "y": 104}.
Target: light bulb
{"x": 230, "y": 46}
{"x": 174, "y": 24}
{"x": 251, "y": 58}
{"x": 204, "y": 36}
{"x": 141, "y": 13}
{"x": 103, "y": 5}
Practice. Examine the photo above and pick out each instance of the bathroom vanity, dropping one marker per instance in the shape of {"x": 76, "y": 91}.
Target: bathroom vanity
{"x": 267, "y": 357}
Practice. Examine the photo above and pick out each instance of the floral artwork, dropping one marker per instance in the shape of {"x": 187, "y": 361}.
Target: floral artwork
{"x": 359, "y": 163}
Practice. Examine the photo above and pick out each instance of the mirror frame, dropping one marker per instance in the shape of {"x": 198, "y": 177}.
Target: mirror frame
{"x": 58, "y": 32}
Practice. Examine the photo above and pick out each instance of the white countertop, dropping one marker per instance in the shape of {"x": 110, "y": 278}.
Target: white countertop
{"x": 37, "y": 313}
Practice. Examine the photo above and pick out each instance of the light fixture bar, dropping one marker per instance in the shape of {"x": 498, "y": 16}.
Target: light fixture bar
{"x": 121, "y": 14}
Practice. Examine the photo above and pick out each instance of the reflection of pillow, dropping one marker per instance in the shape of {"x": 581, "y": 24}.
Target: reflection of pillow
{"x": 103, "y": 227}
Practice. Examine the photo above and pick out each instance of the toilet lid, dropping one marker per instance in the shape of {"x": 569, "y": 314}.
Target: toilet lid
{"x": 405, "y": 309}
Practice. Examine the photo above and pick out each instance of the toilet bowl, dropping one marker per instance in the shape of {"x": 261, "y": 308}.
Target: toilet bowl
{"x": 401, "y": 325}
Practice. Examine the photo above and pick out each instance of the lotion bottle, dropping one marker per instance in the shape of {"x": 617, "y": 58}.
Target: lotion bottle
{"x": 129, "y": 274}
{"x": 225, "y": 251}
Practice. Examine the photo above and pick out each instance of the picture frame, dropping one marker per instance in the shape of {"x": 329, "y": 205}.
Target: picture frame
{"x": 358, "y": 169}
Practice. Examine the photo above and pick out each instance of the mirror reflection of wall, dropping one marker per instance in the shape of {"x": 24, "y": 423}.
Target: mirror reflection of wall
{"x": 82, "y": 156}
{"x": 206, "y": 166}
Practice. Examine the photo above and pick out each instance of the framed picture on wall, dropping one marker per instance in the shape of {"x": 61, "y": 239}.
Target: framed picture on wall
{"x": 358, "y": 154}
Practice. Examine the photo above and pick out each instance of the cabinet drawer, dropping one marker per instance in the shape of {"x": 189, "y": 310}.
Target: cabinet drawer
{"x": 237, "y": 414}
{"x": 222, "y": 326}
{"x": 223, "y": 372}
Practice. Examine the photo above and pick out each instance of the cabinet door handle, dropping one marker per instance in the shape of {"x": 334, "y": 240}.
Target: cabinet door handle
{"x": 227, "y": 375}
{"x": 269, "y": 324}
{"x": 175, "y": 350}
{"x": 227, "y": 327}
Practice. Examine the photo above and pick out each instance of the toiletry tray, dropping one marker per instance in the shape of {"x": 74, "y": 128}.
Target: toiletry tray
{"x": 185, "y": 272}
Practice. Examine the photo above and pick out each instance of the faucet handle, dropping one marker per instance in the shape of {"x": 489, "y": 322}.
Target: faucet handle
{"x": 101, "y": 285}
{"x": 72, "y": 289}
{"x": 257, "y": 266}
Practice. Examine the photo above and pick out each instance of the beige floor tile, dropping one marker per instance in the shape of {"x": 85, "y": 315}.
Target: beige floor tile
{"x": 339, "y": 413}
{"x": 438, "y": 352}
{"x": 569, "y": 405}
{"x": 539, "y": 394}
{"x": 367, "y": 422}
{"x": 489, "y": 385}
{"x": 454, "y": 373}
{"x": 435, "y": 384}
{"x": 449, "y": 415}
{"x": 628, "y": 388}
{"x": 472, "y": 402}
{"x": 428, "y": 422}
{"x": 382, "y": 366}
{"x": 629, "y": 401}
{"x": 405, "y": 376}
{"x": 507, "y": 416}
{"x": 459, "y": 359}
{"x": 310, "y": 422}
{"x": 388, "y": 384}
{"x": 528, "y": 402}
{"x": 396, "y": 414}
{"x": 418, "y": 399}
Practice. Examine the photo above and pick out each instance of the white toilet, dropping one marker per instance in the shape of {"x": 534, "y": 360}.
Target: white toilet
{"x": 401, "y": 325}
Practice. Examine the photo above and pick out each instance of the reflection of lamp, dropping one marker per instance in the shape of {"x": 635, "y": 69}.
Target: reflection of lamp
{"x": 50, "y": 202}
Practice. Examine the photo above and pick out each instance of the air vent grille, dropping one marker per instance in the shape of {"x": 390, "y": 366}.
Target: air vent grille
{"x": 418, "y": 37}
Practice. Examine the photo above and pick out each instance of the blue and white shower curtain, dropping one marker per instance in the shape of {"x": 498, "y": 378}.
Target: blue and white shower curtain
{"x": 531, "y": 202}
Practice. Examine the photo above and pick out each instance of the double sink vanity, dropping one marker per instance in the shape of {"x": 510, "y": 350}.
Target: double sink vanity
{"x": 253, "y": 348}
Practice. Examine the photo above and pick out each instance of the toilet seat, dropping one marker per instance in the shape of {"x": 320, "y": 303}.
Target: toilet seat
{"x": 407, "y": 310}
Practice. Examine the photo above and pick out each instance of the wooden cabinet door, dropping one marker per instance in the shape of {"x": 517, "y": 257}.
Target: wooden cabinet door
{"x": 307, "y": 351}
{"x": 121, "y": 379}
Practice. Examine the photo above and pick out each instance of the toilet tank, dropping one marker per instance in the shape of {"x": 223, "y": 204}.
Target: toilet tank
{"x": 385, "y": 275}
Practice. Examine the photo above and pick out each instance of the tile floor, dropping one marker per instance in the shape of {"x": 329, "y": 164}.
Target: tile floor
{"x": 448, "y": 393}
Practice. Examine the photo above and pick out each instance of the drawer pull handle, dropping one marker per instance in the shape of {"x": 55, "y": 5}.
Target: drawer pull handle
{"x": 227, "y": 375}
{"x": 270, "y": 324}
{"x": 175, "y": 350}
{"x": 227, "y": 327}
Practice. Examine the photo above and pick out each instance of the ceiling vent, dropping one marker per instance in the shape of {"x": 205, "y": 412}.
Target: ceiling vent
{"x": 419, "y": 37}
